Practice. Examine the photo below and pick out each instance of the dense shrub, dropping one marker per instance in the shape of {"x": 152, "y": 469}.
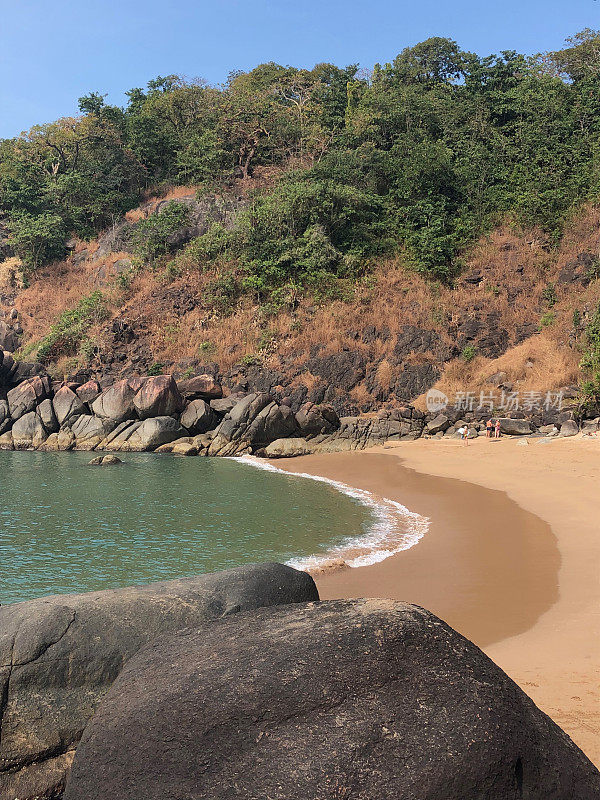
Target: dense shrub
{"x": 68, "y": 334}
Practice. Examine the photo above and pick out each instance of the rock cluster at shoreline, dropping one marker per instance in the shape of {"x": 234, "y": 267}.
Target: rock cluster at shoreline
{"x": 196, "y": 417}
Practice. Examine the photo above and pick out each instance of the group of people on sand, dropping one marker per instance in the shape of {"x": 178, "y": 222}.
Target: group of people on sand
{"x": 492, "y": 430}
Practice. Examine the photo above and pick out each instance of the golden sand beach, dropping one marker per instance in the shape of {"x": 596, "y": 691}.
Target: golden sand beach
{"x": 511, "y": 559}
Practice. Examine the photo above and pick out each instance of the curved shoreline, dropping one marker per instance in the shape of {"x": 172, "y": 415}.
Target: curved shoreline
{"x": 542, "y": 626}
{"x": 395, "y": 528}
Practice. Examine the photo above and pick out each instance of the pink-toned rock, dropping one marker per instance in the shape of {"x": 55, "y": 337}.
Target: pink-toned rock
{"x": 89, "y": 391}
{"x": 116, "y": 402}
{"x": 67, "y": 405}
{"x": 158, "y": 397}
{"x": 27, "y": 395}
{"x": 201, "y": 386}
{"x": 136, "y": 383}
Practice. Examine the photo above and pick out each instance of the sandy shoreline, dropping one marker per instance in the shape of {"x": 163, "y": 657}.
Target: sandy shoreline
{"x": 511, "y": 560}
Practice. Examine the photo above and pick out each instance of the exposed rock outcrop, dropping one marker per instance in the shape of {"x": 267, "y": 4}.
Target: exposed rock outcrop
{"x": 151, "y": 433}
{"x": 158, "y": 397}
{"x": 28, "y": 432}
{"x": 59, "y": 655}
{"x": 199, "y": 417}
{"x": 367, "y": 699}
{"x": 67, "y": 405}
{"x": 27, "y": 395}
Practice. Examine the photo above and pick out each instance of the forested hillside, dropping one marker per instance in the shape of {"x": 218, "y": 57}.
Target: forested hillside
{"x": 330, "y": 195}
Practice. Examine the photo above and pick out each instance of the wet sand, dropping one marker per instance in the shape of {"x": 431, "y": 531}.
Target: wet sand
{"x": 511, "y": 560}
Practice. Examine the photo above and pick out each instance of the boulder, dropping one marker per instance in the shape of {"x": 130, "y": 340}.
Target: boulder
{"x": 28, "y": 432}
{"x": 27, "y": 395}
{"x": 230, "y": 437}
{"x": 224, "y": 405}
{"x": 116, "y": 402}
{"x": 369, "y": 699}
{"x": 199, "y": 417}
{"x": 315, "y": 419}
{"x": 6, "y": 441}
{"x": 90, "y": 431}
{"x": 9, "y": 338}
{"x": 5, "y": 418}
{"x": 151, "y": 433}
{"x": 438, "y": 424}
{"x": 59, "y": 655}
{"x": 569, "y": 428}
{"x": 104, "y": 461}
{"x": 203, "y": 387}
{"x": 158, "y": 397}
{"x": 67, "y": 405}
{"x": 287, "y": 448}
{"x": 515, "y": 427}
{"x": 118, "y": 438}
{"x": 47, "y": 415}
{"x": 273, "y": 422}
{"x": 89, "y": 391}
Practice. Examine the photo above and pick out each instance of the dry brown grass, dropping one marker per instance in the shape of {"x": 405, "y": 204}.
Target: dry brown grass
{"x": 515, "y": 269}
{"x": 11, "y": 275}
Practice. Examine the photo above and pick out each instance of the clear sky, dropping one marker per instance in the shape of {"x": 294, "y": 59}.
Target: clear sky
{"x": 54, "y": 51}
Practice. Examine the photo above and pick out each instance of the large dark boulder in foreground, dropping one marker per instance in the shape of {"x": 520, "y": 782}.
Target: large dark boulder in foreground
{"x": 59, "y": 655}
{"x": 364, "y": 700}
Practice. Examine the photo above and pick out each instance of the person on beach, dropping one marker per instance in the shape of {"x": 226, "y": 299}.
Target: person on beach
{"x": 497, "y": 429}
{"x": 489, "y": 425}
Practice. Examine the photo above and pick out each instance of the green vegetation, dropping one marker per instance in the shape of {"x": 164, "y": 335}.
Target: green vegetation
{"x": 547, "y": 319}
{"x": 151, "y": 237}
{"x": 590, "y": 364}
{"x": 418, "y": 158}
{"x": 468, "y": 353}
{"x": 68, "y": 335}
{"x": 157, "y": 368}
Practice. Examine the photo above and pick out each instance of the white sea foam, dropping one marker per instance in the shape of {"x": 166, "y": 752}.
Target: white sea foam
{"x": 394, "y": 528}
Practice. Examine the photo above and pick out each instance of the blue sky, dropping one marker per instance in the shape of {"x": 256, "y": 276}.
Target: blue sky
{"x": 51, "y": 53}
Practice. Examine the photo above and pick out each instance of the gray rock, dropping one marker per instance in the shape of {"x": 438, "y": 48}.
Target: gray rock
{"x": 203, "y": 387}
{"x": 9, "y": 338}
{"x": 116, "y": 402}
{"x": 287, "y": 448}
{"x": 224, "y": 405}
{"x": 313, "y": 419}
{"x": 28, "y": 432}
{"x": 365, "y": 699}
{"x": 89, "y": 391}
{"x": 117, "y": 439}
{"x": 569, "y": 428}
{"x": 438, "y": 424}
{"x": 104, "y": 461}
{"x": 199, "y": 417}
{"x": 90, "y": 431}
{"x": 152, "y": 433}
{"x": 67, "y": 405}
{"x": 231, "y": 437}
{"x": 158, "y": 397}
{"x": 47, "y": 415}
{"x": 27, "y": 395}
{"x": 59, "y": 655}
{"x": 515, "y": 427}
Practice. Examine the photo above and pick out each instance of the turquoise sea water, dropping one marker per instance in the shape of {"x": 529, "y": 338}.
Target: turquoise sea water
{"x": 69, "y": 527}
